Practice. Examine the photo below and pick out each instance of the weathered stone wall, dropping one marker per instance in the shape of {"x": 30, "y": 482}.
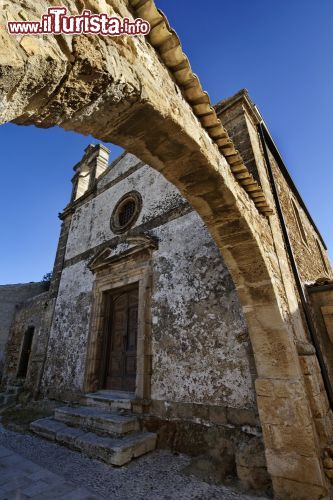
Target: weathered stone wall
{"x": 65, "y": 364}
{"x": 201, "y": 352}
{"x": 90, "y": 225}
{"x": 10, "y": 297}
{"x": 106, "y": 87}
{"x": 307, "y": 254}
{"x": 29, "y": 313}
{"x": 240, "y": 118}
{"x": 234, "y": 114}
{"x": 202, "y": 398}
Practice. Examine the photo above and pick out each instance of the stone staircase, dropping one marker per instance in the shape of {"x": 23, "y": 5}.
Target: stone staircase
{"x": 104, "y": 428}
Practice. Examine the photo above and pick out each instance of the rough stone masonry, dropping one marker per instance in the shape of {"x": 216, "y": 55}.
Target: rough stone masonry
{"x": 108, "y": 87}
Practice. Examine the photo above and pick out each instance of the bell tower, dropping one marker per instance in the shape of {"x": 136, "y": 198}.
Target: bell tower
{"x": 93, "y": 163}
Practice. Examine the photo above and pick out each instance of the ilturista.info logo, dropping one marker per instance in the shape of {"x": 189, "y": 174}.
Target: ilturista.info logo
{"x": 57, "y": 21}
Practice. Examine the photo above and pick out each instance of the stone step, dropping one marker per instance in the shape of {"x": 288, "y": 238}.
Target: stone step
{"x": 111, "y": 400}
{"x": 97, "y": 419}
{"x": 115, "y": 451}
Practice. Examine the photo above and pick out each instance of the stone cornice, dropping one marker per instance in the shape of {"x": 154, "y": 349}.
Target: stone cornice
{"x": 244, "y": 97}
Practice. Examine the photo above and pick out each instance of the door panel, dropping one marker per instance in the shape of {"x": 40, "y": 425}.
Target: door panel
{"x": 121, "y": 330}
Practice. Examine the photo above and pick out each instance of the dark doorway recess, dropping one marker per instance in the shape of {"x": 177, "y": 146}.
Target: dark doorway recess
{"x": 25, "y": 352}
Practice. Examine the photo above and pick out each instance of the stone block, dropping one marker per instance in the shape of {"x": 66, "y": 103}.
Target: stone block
{"x": 243, "y": 254}
{"x": 240, "y": 417}
{"x": 116, "y": 451}
{"x": 319, "y": 404}
{"x": 291, "y": 465}
{"x": 68, "y": 435}
{"x": 264, "y": 387}
{"x": 293, "y": 490}
{"x": 46, "y": 427}
{"x": 296, "y": 438}
{"x": 314, "y": 384}
{"x": 276, "y": 411}
{"x": 276, "y": 357}
{"x": 288, "y": 389}
{"x": 97, "y": 419}
{"x": 324, "y": 428}
{"x": 309, "y": 364}
{"x": 182, "y": 410}
{"x": 158, "y": 408}
{"x": 303, "y": 412}
{"x": 137, "y": 408}
{"x": 200, "y": 411}
{"x": 217, "y": 414}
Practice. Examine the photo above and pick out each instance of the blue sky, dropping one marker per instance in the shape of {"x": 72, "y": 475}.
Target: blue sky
{"x": 280, "y": 50}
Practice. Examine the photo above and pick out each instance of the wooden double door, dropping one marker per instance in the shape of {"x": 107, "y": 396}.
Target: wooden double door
{"x": 121, "y": 331}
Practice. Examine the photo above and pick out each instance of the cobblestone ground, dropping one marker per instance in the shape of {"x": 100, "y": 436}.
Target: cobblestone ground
{"x": 72, "y": 476}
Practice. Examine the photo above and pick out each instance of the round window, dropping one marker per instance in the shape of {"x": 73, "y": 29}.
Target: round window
{"x": 126, "y": 212}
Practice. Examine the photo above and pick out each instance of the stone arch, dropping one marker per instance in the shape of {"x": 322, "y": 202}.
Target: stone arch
{"x": 119, "y": 90}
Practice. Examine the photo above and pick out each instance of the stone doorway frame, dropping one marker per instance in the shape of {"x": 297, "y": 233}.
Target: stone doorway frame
{"x": 115, "y": 271}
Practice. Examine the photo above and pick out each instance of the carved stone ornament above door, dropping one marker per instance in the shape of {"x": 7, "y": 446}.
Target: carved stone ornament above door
{"x": 130, "y": 246}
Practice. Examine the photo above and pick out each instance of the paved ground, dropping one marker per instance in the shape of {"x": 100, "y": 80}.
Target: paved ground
{"x": 22, "y": 479}
{"x": 31, "y": 467}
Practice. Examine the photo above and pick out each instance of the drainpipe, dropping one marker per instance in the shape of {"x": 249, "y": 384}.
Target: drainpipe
{"x": 299, "y": 285}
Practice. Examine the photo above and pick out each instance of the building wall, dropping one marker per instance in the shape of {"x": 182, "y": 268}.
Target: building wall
{"x": 234, "y": 114}
{"x": 201, "y": 349}
{"x": 310, "y": 256}
{"x": 240, "y": 118}
{"x": 90, "y": 225}
{"x": 10, "y": 297}
{"x": 200, "y": 346}
{"x": 307, "y": 254}
{"x": 27, "y": 314}
{"x": 65, "y": 364}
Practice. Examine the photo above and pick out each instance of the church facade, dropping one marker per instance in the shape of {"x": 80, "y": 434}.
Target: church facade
{"x": 141, "y": 303}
